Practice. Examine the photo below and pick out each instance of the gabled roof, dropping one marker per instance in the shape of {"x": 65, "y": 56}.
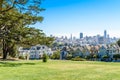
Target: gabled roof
{"x": 103, "y": 47}
{"x": 25, "y": 48}
{"x": 88, "y": 48}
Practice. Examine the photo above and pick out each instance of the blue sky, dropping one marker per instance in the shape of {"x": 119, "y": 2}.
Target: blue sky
{"x": 92, "y": 17}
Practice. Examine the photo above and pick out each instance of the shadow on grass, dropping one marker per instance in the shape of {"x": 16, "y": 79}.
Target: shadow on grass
{"x": 8, "y": 64}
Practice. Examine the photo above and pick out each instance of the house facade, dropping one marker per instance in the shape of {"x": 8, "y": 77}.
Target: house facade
{"x": 35, "y": 52}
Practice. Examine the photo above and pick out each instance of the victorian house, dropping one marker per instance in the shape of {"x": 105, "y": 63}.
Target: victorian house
{"x": 35, "y": 52}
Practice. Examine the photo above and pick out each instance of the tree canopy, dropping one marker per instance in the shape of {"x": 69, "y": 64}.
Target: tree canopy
{"x": 15, "y": 18}
{"x": 118, "y": 42}
{"x": 25, "y": 6}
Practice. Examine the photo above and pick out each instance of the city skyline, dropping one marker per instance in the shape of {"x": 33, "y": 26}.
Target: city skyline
{"x": 92, "y": 17}
{"x": 81, "y": 35}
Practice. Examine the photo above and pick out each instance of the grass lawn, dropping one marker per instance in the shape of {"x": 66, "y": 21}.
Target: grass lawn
{"x": 59, "y": 70}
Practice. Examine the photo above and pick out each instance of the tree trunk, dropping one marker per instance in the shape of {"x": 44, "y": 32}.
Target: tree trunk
{"x": 5, "y": 51}
{"x": 4, "y": 54}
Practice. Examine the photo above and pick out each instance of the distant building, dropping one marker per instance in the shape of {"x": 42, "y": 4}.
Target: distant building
{"x": 66, "y": 37}
{"x": 81, "y": 35}
{"x": 105, "y": 34}
{"x": 108, "y": 36}
{"x": 35, "y": 52}
{"x": 71, "y": 37}
{"x": 101, "y": 40}
{"x": 74, "y": 38}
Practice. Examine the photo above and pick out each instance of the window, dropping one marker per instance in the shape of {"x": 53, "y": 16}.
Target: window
{"x": 38, "y": 48}
{"x": 43, "y": 47}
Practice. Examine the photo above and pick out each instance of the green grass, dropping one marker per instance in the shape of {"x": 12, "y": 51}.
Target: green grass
{"x": 59, "y": 70}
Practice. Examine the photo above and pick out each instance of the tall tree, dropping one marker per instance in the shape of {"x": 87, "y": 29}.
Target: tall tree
{"x": 15, "y": 18}
{"x": 29, "y": 6}
{"x": 118, "y": 42}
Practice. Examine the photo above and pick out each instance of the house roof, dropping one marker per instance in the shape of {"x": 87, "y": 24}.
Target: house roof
{"x": 25, "y": 48}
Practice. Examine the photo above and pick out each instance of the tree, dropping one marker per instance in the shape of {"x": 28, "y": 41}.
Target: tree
{"x": 13, "y": 27}
{"x": 47, "y": 41}
{"x": 15, "y": 18}
{"x": 116, "y": 56}
{"x": 24, "y": 6}
{"x": 56, "y": 55}
{"x": 105, "y": 57}
{"x": 95, "y": 56}
{"x": 118, "y": 42}
{"x": 45, "y": 57}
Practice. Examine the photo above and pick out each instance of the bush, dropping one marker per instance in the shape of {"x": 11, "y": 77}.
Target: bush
{"x": 78, "y": 59}
{"x": 21, "y": 57}
{"x": 87, "y": 57}
{"x": 116, "y": 56}
{"x": 69, "y": 57}
{"x": 55, "y": 55}
{"x": 105, "y": 56}
{"x": 45, "y": 57}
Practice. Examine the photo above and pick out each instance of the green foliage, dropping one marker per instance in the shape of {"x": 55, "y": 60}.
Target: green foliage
{"x": 56, "y": 55}
{"x": 116, "y": 56}
{"x": 87, "y": 57}
{"x": 22, "y": 57}
{"x": 14, "y": 25}
{"x": 105, "y": 56}
{"x": 47, "y": 41}
{"x": 78, "y": 59}
{"x": 94, "y": 56}
{"x": 45, "y": 57}
{"x": 69, "y": 57}
{"x": 118, "y": 42}
{"x": 13, "y": 51}
{"x": 25, "y": 6}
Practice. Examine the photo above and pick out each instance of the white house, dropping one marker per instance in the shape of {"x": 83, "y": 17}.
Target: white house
{"x": 35, "y": 52}
{"x": 23, "y": 51}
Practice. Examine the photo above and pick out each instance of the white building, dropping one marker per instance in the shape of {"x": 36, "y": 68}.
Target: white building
{"x": 35, "y": 52}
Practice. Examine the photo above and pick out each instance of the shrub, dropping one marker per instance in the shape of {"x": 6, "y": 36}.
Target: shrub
{"x": 55, "y": 55}
{"x": 116, "y": 56}
{"x": 45, "y": 57}
{"x": 69, "y": 57}
{"x": 78, "y": 59}
{"x": 105, "y": 56}
{"x": 87, "y": 57}
{"x": 21, "y": 57}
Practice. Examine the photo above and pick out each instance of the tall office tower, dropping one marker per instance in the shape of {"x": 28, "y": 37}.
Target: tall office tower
{"x": 65, "y": 37}
{"x": 105, "y": 34}
{"x": 108, "y": 36}
{"x": 71, "y": 37}
{"x": 81, "y": 35}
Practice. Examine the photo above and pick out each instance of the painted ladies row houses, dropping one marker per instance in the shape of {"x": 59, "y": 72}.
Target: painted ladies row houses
{"x": 99, "y": 51}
